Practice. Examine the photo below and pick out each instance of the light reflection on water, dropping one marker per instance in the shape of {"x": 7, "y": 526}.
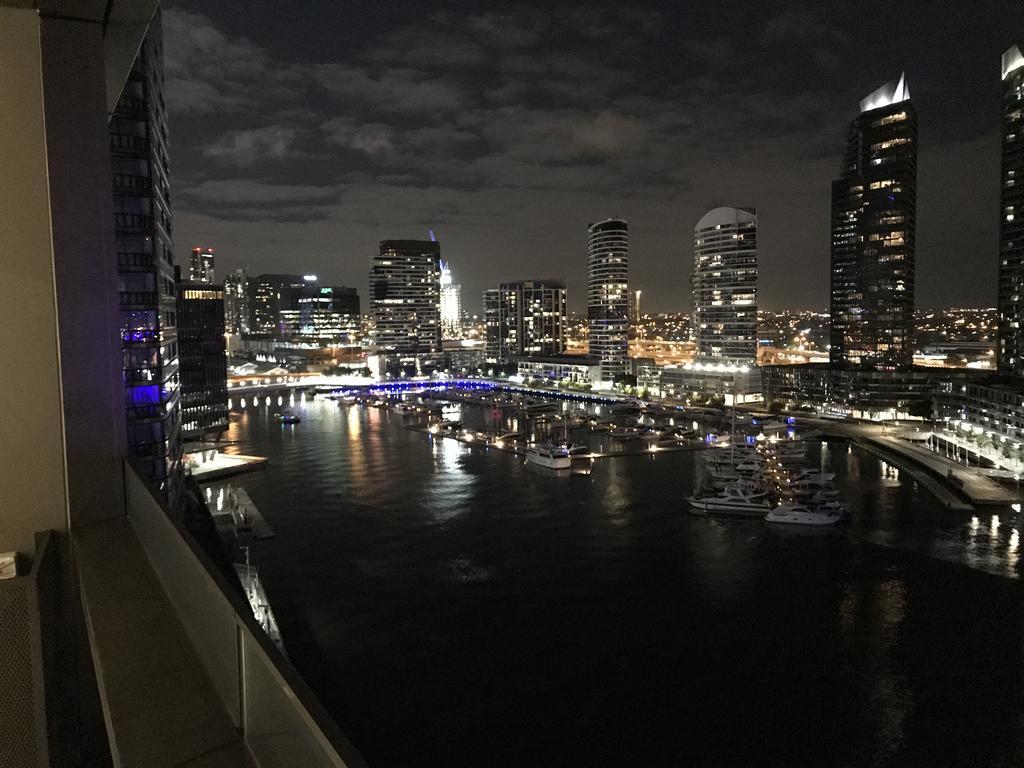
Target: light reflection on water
{"x": 427, "y": 586}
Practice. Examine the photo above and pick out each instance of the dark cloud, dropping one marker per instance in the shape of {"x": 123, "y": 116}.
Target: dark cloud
{"x": 301, "y": 141}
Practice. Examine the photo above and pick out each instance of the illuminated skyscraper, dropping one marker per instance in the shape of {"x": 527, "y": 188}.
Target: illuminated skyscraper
{"x": 1011, "y": 218}
{"x": 201, "y": 265}
{"x": 608, "y": 296}
{"x": 237, "y": 314}
{"x": 725, "y": 285}
{"x": 874, "y": 205}
{"x": 451, "y": 305}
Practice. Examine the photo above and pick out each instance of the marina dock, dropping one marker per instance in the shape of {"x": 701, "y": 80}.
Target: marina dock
{"x": 520, "y": 450}
{"x": 235, "y": 512}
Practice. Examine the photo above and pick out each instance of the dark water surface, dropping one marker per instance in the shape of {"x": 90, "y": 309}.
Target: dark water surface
{"x": 452, "y": 607}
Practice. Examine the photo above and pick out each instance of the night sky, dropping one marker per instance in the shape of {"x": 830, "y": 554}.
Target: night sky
{"x": 304, "y": 133}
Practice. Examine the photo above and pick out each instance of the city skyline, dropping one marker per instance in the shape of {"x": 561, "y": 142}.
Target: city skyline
{"x": 394, "y": 136}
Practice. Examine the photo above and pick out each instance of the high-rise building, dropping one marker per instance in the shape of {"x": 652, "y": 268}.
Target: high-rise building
{"x": 528, "y": 317}
{"x": 634, "y": 313}
{"x": 201, "y": 265}
{"x": 1011, "y": 218}
{"x": 608, "y": 296}
{"x": 265, "y": 292}
{"x": 725, "y": 285}
{"x": 142, "y": 228}
{"x": 873, "y": 233}
{"x": 405, "y": 301}
{"x": 237, "y": 315}
{"x": 493, "y": 351}
{"x": 451, "y": 305}
{"x": 201, "y": 356}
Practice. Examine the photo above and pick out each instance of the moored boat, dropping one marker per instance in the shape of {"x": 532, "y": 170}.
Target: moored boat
{"x": 549, "y": 456}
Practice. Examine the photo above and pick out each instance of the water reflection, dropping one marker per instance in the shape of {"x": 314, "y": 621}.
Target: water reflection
{"x": 448, "y": 587}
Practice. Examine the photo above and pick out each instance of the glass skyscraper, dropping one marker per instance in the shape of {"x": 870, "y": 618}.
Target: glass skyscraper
{"x": 608, "y": 296}
{"x": 725, "y": 285}
{"x": 1011, "y": 218}
{"x": 142, "y": 221}
{"x": 874, "y": 203}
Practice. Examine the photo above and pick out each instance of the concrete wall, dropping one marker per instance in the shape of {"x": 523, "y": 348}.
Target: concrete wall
{"x": 33, "y": 495}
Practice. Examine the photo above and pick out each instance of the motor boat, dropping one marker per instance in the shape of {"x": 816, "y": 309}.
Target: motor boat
{"x": 287, "y": 418}
{"x": 731, "y": 501}
{"x": 798, "y": 514}
{"x": 549, "y": 456}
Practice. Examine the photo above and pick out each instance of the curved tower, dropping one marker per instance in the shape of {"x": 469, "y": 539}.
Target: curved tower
{"x": 725, "y": 285}
{"x": 1011, "y": 218}
{"x": 608, "y": 295}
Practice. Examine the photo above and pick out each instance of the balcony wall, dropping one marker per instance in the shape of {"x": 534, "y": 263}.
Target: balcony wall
{"x": 184, "y": 670}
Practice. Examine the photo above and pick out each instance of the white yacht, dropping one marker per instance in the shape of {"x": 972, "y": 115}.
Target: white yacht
{"x": 798, "y": 514}
{"x": 731, "y": 501}
{"x": 549, "y": 456}
{"x": 833, "y": 507}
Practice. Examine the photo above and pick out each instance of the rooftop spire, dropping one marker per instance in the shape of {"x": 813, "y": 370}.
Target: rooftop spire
{"x": 891, "y": 93}
{"x": 1013, "y": 60}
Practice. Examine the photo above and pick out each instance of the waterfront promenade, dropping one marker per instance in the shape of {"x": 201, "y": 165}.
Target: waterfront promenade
{"x": 950, "y": 481}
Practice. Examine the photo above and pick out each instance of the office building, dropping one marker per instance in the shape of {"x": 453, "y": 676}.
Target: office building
{"x": 405, "y": 301}
{"x": 201, "y": 265}
{"x": 725, "y": 285}
{"x": 451, "y": 305}
{"x": 701, "y": 381}
{"x": 873, "y": 234}
{"x": 319, "y": 314}
{"x": 202, "y": 360}
{"x": 526, "y": 317}
{"x": 608, "y": 296}
{"x": 265, "y": 303}
{"x": 1010, "y": 352}
{"x": 145, "y": 263}
{"x": 237, "y": 313}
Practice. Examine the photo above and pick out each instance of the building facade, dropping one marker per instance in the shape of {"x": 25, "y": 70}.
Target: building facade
{"x": 608, "y": 297}
{"x": 492, "y": 325}
{"x": 729, "y": 382}
{"x": 202, "y": 359}
{"x": 874, "y": 204}
{"x": 530, "y": 319}
{"x": 1010, "y": 353}
{"x": 201, "y": 265}
{"x": 265, "y": 300}
{"x": 405, "y": 301}
{"x": 237, "y": 312}
{"x": 725, "y": 285}
{"x": 451, "y": 305}
{"x": 576, "y": 370}
{"x": 319, "y": 314}
{"x": 143, "y": 240}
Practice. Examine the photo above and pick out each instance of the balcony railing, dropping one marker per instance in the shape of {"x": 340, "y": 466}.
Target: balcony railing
{"x": 183, "y": 668}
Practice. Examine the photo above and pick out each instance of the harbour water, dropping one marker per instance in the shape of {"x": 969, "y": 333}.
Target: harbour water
{"x": 453, "y": 607}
